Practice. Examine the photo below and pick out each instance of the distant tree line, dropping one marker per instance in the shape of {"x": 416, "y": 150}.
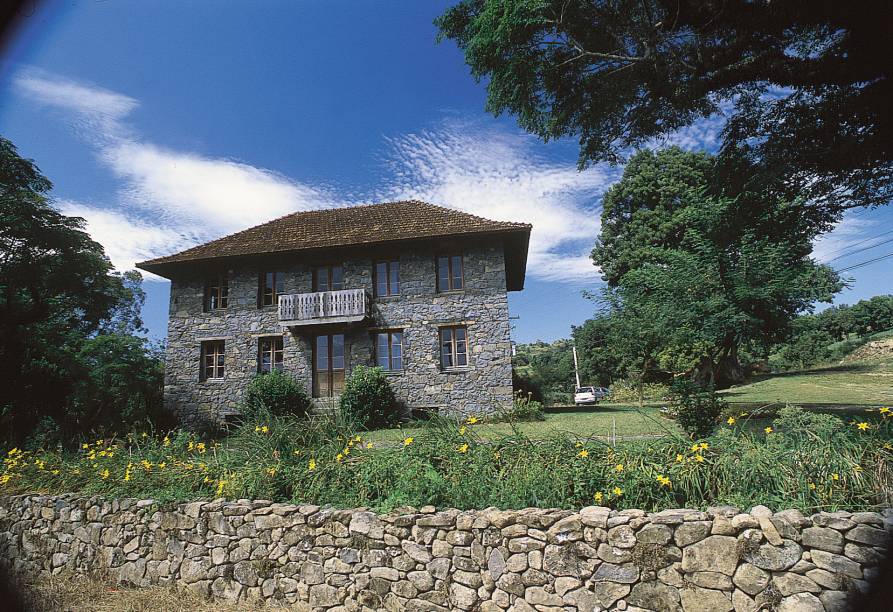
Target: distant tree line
{"x": 73, "y": 358}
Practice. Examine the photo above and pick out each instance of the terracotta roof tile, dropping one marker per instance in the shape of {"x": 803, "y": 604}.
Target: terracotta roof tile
{"x": 341, "y": 227}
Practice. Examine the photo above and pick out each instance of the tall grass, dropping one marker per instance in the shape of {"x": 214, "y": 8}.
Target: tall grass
{"x": 807, "y": 461}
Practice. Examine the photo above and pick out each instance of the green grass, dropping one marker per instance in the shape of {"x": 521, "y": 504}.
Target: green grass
{"x": 600, "y": 421}
{"x": 852, "y": 384}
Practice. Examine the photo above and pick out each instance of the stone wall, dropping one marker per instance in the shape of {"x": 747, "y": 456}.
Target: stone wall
{"x": 485, "y": 385}
{"x": 488, "y": 560}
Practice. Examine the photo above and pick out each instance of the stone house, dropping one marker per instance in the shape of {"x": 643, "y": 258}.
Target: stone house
{"x": 416, "y": 289}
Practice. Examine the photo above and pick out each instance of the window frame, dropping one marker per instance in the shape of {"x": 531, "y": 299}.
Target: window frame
{"x": 273, "y": 351}
{"x": 375, "y": 351}
{"x": 389, "y": 266}
{"x": 330, "y": 277}
{"x": 274, "y": 290}
{"x": 450, "y": 276}
{"x": 454, "y": 347}
{"x": 209, "y": 348}
{"x": 216, "y": 287}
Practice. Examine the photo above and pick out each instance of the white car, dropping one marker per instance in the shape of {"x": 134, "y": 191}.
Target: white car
{"x": 586, "y": 395}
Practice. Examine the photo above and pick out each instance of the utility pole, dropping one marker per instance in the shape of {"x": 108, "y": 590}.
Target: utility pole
{"x": 576, "y": 367}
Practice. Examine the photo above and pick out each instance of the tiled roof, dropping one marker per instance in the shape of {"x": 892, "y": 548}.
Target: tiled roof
{"x": 343, "y": 227}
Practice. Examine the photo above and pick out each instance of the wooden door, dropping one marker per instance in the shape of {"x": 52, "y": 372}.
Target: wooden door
{"x": 328, "y": 365}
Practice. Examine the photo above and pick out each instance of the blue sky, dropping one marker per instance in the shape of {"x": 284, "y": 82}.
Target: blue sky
{"x": 169, "y": 123}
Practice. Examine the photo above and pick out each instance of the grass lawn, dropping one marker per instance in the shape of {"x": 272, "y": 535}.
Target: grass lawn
{"x": 588, "y": 421}
{"x": 851, "y": 384}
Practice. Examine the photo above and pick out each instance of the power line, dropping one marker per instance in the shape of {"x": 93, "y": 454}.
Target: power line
{"x": 865, "y": 263}
{"x": 847, "y": 254}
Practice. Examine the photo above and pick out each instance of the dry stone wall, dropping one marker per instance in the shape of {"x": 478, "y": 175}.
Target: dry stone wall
{"x": 426, "y": 560}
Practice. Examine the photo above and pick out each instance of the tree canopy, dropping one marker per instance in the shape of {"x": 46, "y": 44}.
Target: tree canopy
{"x": 805, "y": 86}
{"x": 66, "y": 319}
{"x": 695, "y": 273}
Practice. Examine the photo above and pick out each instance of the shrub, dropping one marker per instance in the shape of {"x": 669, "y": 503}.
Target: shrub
{"x": 524, "y": 408}
{"x": 277, "y": 394}
{"x": 697, "y": 409}
{"x": 628, "y": 391}
{"x": 367, "y": 400}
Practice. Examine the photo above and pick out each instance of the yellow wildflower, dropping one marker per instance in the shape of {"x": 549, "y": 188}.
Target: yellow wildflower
{"x": 471, "y": 420}
{"x": 664, "y": 480}
{"x": 863, "y": 426}
{"x": 272, "y": 471}
{"x": 857, "y": 468}
{"x": 311, "y": 465}
{"x": 583, "y": 453}
{"x": 617, "y": 491}
{"x": 699, "y": 458}
{"x": 369, "y": 445}
{"x": 497, "y": 455}
{"x": 83, "y": 446}
{"x": 679, "y": 457}
{"x": 105, "y": 473}
{"x": 695, "y": 448}
{"x": 142, "y": 435}
{"x": 357, "y": 438}
{"x": 220, "y": 485}
{"x": 579, "y": 444}
{"x": 339, "y": 457}
{"x": 835, "y": 476}
{"x": 162, "y": 465}
{"x": 812, "y": 486}
{"x": 703, "y": 446}
{"x": 463, "y": 449}
{"x": 407, "y": 441}
{"x": 598, "y": 496}
{"x": 884, "y": 410}
{"x": 200, "y": 447}
{"x": 730, "y": 420}
{"x": 618, "y": 467}
{"x": 192, "y": 444}
{"x": 462, "y": 430}
{"x": 768, "y": 430}
{"x": 167, "y": 441}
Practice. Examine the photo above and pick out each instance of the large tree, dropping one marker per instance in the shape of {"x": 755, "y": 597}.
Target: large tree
{"x": 805, "y": 85}
{"x": 58, "y": 294}
{"x": 715, "y": 269}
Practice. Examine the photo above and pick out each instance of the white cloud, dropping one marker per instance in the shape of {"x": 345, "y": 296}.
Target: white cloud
{"x": 169, "y": 200}
{"x": 496, "y": 174}
{"x": 851, "y": 229}
{"x": 127, "y": 240}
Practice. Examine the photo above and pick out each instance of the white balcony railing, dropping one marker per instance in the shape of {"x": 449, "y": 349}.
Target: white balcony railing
{"x": 324, "y": 307}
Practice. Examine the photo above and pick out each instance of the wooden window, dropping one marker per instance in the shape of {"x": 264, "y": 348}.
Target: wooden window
{"x": 271, "y": 287}
{"x": 387, "y": 278}
{"x": 450, "y": 276}
{"x": 389, "y": 350}
{"x": 328, "y": 278}
{"x": 269, "y": 354}
{"x": 212, "y": 359}
{"x": 217, "y": 293}
{"x": 453, "y": 347}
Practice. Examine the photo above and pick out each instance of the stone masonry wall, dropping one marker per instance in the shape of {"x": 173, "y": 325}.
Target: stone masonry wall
{"x": 485, "y": 385}
{"x": 488, "y": 560}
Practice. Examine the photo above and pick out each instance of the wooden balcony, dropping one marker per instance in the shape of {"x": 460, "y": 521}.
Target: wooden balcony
{"x": 346, "y": 306}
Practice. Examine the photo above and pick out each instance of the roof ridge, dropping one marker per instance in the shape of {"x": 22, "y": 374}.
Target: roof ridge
{"x": 399, "y": 226}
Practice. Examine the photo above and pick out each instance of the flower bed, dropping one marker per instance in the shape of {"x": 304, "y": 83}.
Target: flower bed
{"x": 805, "y": 461}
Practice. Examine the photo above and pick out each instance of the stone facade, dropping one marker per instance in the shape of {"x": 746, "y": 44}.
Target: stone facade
{"x": 489, "y": 560}
{"x": 419, "y": 311}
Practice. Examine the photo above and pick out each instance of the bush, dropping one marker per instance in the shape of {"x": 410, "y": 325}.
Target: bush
{"x": 276, "y": 394}
{"x": 524, "y": 408}
{"x": 628, "y": 391}
{"x": 697, "y": 409}
{"x": 367, "y": 400}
